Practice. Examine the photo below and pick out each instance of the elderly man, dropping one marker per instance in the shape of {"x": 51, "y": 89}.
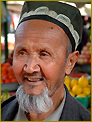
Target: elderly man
{"x": 46, "y": 39}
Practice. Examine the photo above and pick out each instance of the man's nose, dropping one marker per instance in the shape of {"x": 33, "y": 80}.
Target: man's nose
{"x": 32, "y": 65}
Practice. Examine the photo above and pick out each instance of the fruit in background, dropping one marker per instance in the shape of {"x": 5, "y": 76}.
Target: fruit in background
{"x": 2, "y": 81}
{"x": 5, "y": 95}
{"x": 77, "y": 89}
{"x": 89, "y": 87}
{"x": 81, "y": 95}
{"x": 13, "y": 80}
{"x": 6, "y": 64}
{"x": 86, "y": 91}
{"x": 85, "y": 48}
{"x": 85, "y": 56}
{"x": 67, "y": 82}
{"x": 74, "y": 82}
{"x": 7, "y": 73}
{"x": 88, "y": 44}
{"x": 68, "y": 87}
{"x": 80, "y": 61}
{"x": 83, "y": 81}
{"x": 72, "y": 93}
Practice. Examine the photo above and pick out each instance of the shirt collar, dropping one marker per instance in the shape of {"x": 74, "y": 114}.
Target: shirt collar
{"x": 56, "y": 115}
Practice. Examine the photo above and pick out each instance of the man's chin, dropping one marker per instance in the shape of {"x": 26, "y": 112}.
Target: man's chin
{"x": 33, "y": 90}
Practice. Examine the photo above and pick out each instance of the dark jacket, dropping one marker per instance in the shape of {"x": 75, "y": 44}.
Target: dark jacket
{"x": 73, "y": 110}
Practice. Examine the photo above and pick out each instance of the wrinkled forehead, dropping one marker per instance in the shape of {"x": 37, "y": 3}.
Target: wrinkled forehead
{"x": 41, "y": 35}
{"x": 36, "y": 25}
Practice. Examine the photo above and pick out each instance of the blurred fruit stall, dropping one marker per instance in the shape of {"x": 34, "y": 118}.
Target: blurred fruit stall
{"x": 84, "y": 60}
{"x": 78, "y": 82}
{"x": 79, "y": 86}
{"x": 9, "y": 20}
{"x": 8, "y": 81}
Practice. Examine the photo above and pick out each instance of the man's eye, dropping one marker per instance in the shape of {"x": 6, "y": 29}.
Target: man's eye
{"x": 21, "y": 53}
{"x": 44, "y": 54}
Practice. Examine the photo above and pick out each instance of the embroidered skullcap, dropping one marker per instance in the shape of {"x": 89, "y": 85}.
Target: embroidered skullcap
{"x": 64, "y": 15}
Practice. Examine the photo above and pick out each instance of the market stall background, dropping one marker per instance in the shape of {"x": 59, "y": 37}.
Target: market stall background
{"x": 10, "y": 13}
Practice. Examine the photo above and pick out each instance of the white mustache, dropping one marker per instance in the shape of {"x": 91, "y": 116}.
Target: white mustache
{"x": 34, "y": 77}
{"x": 33, "y": 74}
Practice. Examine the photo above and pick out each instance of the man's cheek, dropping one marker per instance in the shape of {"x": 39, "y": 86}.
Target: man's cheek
{"x": 17, "y": 71}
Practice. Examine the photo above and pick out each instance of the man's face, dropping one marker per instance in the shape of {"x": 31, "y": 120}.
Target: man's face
{"x": 40, "y": 56}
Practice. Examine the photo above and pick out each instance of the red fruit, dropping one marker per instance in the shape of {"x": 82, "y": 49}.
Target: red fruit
{"x": 7, "y": 81}
{"x": 1, "y": 76}
{"x": 88, "y": 56}
{"x": 2, "y": 64}
{"x": 85, "y": 61}
{"x": 3, "y": 68}
{"x": 13, "y": 80}
{"x": 88, "y": 44}
{"x": 85, "y": 48}
{"x": 88, "y": 52}
{"x": 82, "y": 56}
{"x": 10, "y": 73}
{"x": 4, "y": 73}
{"x": 7, "y": 64}
{"x": 83, "y": 52}
{"x": 2, "y": 81}
{"x": 89, "y": 61}
{"x": 10, "y": 69}
{"x": 5, "y": 77}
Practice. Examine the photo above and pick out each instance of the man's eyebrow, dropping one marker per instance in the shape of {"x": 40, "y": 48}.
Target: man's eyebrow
{"x": 38, "y": 48}
{"x": 20, "y": 47}
{"x": 48, "y": 49}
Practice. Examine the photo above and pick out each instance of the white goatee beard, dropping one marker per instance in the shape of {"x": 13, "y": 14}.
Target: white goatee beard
{"x": 37, "y": 104}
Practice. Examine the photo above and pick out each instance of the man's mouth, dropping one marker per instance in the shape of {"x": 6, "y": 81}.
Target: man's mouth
{"x": 33, "y": 79}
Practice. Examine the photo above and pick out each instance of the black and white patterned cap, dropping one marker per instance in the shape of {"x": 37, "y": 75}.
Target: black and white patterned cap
{"x": 64, "y": 15}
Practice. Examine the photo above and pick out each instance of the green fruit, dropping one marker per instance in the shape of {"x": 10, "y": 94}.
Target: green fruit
{"x": 5, "y": 95}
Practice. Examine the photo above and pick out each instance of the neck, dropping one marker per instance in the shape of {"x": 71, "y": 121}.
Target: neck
{"x": 57, "y": 98}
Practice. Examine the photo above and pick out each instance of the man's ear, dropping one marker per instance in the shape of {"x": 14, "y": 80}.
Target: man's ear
{"x": 72, "y": 59}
